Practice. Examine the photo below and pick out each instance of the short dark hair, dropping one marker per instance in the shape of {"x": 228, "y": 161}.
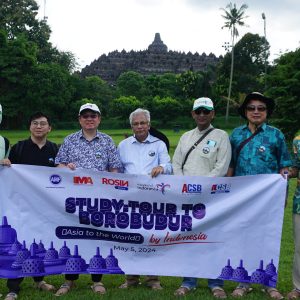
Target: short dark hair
{"x": 38, "y": 115}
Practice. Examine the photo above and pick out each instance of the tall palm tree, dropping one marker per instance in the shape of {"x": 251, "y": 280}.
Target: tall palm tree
{"x": 234, "y": 17}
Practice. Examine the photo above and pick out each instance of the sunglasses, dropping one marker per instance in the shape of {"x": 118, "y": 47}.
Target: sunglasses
{"x": 260, "y": 108}
{"x": 91, "y": 116}
{"x": 202, "y": 110}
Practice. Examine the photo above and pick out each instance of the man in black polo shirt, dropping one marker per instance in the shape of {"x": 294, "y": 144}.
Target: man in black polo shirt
{"x": 36, "y": 150}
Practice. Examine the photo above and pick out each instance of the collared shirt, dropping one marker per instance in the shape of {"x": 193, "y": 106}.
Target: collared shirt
{"x": 296, "y": 164}
{"x": 99, "y": 154}
{"x": 141, "y": 158}
{"x": 210, "y": 158}
{"x": 32, "y": 154}
{"x": 266, "y": 153}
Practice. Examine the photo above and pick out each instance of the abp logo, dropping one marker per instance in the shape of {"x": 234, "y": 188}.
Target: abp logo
{"x": 55, "y": 179}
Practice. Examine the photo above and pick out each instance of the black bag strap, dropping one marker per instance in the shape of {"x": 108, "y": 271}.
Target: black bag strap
{"x": 245, "y": 142}
{"x": 195, "y": 145}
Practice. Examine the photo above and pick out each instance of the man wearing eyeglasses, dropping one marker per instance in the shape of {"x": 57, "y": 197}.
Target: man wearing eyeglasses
{"x": 257, "y": 148}
{"x": 266, "y": 151}
{"x": 203, "y": 151}
{"x": 145, "y": 154}
{"x": 88, "y": 149}
{"x": 36, "y": 150}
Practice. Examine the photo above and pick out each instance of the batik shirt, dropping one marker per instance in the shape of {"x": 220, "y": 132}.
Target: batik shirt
{"x": 266, "y": 153}
{"x": 296, "y": 163}
{"x": 99, "y": 154}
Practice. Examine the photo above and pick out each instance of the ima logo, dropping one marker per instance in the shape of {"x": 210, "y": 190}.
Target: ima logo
{"x": 220, "y": 188}
{"x": 119, "y": 184}
{"x": 83, "y": 180}
{"x": 188, "y": 188}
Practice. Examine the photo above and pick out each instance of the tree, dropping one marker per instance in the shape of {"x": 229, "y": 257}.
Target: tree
{"x": 93, "y": 87}
{"x": 131, "y": 84}
{"x": 234, "y": 17}
{"x": 284, "y": 82}
{"x": 123, "y": 106}
{"x": 165, "y": 109}
{"x": 49, "y": 89}
{"x": 249, "y": 68}
{"x": 250, "y": 54}
{"x": 27, "y": 86}
{"x": 17, "y": 59}
{"x": 162, "y": 85}
{"x": 19, "y": 17}
{"x": 194, "y": 84}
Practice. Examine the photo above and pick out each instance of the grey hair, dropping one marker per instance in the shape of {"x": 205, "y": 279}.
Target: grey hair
{"x": 139, "y": 111}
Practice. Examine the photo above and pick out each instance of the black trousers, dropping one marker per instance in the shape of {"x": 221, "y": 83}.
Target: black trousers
{"x": 13, "y": 284}
{"x": 95, "y": 277}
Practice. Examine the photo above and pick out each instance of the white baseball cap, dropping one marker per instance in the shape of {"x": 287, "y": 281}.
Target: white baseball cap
{"x": 203, "y": 102}
{"x": 89, "y": 106}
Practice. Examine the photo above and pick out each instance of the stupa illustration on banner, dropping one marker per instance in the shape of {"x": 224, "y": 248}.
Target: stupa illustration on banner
{"x": 266, "y": 277}
{"x": 16, "y": 260}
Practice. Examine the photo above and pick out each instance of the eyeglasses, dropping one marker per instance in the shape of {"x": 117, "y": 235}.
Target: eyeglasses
{"x": 260, "y": 108}
{"x": 202, "y": 110}
{"x": 91, "y": 116}
{"x": 41, "y": 124}
{"x": 143, "y": 123}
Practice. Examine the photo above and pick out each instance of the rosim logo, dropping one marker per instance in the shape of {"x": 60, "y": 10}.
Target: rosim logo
{"x": 83, "y": 180}
{"x": 118, "y": 183}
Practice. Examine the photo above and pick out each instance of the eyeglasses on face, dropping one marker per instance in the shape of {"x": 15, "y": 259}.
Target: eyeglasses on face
{"x": 202, "y": 110}
{"x": 143, "y": 123}
{"x": 41, "y": 124}
{"x": 91, "y": 116}
{"x": 260, "y": 108}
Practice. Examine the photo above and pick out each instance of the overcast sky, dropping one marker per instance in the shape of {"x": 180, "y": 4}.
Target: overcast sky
{"x": 90, "y": 28}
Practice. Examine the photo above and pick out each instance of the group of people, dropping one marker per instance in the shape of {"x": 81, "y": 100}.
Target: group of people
{"x": 254, "y": 148}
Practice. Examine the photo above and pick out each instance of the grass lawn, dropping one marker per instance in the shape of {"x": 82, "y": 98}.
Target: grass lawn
{"x": 112, "y": 282}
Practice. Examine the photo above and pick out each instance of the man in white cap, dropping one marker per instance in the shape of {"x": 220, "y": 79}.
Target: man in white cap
{"x": 88, "y": 149}
{"x": 203, "y": 151}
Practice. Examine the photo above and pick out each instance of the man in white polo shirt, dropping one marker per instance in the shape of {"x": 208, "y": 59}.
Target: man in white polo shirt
{"x": 145, "y": 154}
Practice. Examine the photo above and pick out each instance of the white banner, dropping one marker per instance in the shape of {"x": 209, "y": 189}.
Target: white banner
{"x": 55, "y": 220}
